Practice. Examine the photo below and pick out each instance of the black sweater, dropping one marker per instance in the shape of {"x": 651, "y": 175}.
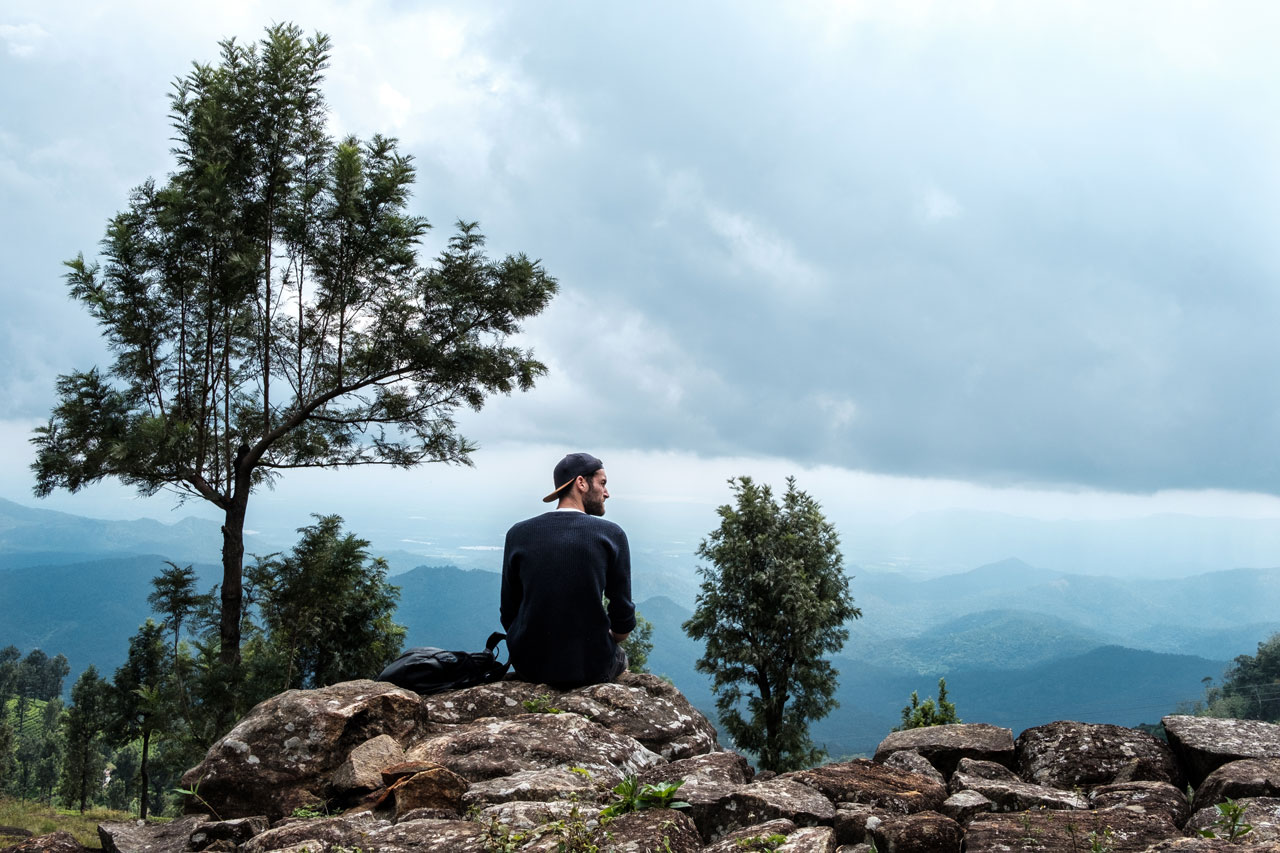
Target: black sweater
{"x": 555, "y": 568}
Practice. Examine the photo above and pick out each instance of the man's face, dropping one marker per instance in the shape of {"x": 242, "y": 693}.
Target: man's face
{"x": 597, "y": 493}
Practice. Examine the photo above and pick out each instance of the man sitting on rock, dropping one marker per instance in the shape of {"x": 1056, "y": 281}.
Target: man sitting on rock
{"x": 556, "y": 568}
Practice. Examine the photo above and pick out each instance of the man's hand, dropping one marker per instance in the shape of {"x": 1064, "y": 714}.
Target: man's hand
{"x": 618, "y": 638}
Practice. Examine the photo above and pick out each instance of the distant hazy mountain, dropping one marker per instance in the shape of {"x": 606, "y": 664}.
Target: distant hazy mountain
{"x": 1019, "y": 645}
{"x": 31, "y": 537}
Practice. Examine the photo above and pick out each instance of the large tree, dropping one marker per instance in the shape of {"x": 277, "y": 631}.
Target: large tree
{"x": 774, "y": 602}
{"x": 267, "y": 310}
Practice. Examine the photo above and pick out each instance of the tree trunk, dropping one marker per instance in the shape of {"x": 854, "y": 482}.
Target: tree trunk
{"x": 146, "y": 782}
{"x": 232, "y": 590}
{"x": 233, "y": 560}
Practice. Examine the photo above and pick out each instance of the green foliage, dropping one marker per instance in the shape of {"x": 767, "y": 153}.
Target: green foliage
{"x": 326, "y": 609}
{"x": 86, "y": 724}
{"x": 266, "y": 309}
{"x": 638, "y": 645}
{"x": 175, "y": 598}
{"x": 632, "y": 796}
{"x": 1229, "y": 823}
{"x": 1250, "y": 688}
{"x": 541, "y": 704}
{"x": 928, "y": 713}
{"x": 774, "y": 602}
{"x": 143, "y": 700}
{"x": 762, "y": 842}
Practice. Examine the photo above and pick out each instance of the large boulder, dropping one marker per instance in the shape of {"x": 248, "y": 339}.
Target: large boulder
{"x": 283, "y": 754}
{"x": 861, "y": 781}
{"x": 944, "y": 746}
{"x": 502, "y": 746}
{"x": 1080, "y": 755}
{"x": 1249, "y": 777}
{"x": 1203, "y": 744}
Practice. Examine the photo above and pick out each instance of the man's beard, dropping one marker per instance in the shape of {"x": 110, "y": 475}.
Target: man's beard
{"x": 593, "y": 505}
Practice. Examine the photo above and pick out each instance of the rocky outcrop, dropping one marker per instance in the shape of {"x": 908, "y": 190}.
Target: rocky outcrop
{"x": 1071, "y": 755}
{"x": 1203, "y": 744}
{"x": 514, "y": 766}
{"x": 944, "y": 746}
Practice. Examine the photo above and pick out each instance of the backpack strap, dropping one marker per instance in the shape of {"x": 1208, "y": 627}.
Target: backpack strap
{"x": 492, "y": 644}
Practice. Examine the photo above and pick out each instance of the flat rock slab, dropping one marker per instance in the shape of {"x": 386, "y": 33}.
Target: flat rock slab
{"x": 963, "y": 806}
{"x": 650, "y": 831}
{"x": 237, "y": 831}
{"x": 751, "y": 838}
{"x": 638, "y": 705}
{"x": 361, "y": 773}
{"x": 1080, "y": 755}
{"x": 861, "y": 781}
{"x": 130, "y": 837}
{"x": 808, "y": 839}
{"x": 944, "y": 746}
{"x": 923, "y": 832}
{"x": 532, "y": 786}
{"x": 1203, "y": 744}
{"x": 665, "y": 724}
{"x": 1262, "y": 813}
{"x": 524, "y": 816}
{"x": 1014, "y": 796}
{"x": 341, "y": 831}
{"x": 502, "y": 746}
{"x": 1208, "y": 845}
{"x": 1154, "y": 797}
{"x": 973, "y": 768}
{"x": 282, "y": 755}
{"x": 765, "y": 801}
{"x": 54, "y": 842}
{"x": 1249, "y": 777}
{"x": 1119, "y": 831}
{"x": 706, "y": 780}
{"x": 455, "y": 836}
{"x": 913, "y": 762}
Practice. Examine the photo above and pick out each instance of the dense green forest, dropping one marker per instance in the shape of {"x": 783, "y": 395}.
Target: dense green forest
{"x": 124, "y": 741}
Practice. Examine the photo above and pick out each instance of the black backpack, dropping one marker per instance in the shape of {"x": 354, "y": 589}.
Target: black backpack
{"x": 426, "y": 669}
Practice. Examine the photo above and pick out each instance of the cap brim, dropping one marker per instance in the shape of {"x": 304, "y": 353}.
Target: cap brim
{"x": 556, "y": 493}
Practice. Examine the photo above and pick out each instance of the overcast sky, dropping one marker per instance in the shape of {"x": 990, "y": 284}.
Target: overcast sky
{"x": 988, "y": 255}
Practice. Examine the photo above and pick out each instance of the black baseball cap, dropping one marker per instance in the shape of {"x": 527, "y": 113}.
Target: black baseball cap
{"x": 570, "y": 468}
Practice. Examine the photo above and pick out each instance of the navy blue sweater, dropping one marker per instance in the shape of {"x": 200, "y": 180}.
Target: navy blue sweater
{"x": 555, "y": 568}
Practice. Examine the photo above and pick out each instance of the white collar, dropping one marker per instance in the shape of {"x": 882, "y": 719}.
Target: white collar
{"x": 567, "y": 509}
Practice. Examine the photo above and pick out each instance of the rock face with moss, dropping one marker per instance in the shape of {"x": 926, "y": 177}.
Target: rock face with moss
{"x": 514, "y": 766}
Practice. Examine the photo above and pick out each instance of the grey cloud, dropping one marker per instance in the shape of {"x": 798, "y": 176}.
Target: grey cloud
{"x": 995, "y": 250}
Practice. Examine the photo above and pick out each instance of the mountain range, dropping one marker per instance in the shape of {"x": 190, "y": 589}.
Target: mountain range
{"x": 1018, "y": 645}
